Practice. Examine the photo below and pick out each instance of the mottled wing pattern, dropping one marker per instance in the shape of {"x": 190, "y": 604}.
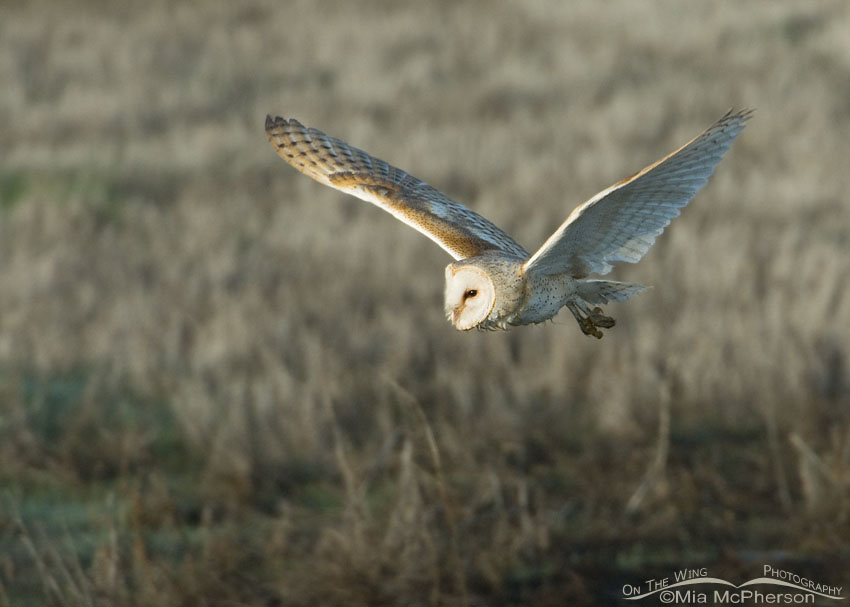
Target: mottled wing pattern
{"x": 461, "y": 232}
{"x": 622, "y": 222}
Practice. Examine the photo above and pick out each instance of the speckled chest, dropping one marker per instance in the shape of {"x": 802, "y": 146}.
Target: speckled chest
{"x": 544, "y": 296}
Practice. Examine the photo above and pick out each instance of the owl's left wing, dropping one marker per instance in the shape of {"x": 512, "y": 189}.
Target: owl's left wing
{"x": 328, "y": 160}
{"x": 622, "y": 222}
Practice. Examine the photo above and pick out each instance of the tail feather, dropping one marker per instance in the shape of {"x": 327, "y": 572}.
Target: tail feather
{"x": 599, "y": 292}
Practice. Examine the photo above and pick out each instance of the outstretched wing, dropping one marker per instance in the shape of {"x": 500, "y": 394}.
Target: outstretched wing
{"x": 621, "y": 223}
{"x": 461, "y": 232}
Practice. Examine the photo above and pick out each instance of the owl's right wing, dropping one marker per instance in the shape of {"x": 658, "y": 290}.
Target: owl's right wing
{"x": 328, "y": 160}
{"x": 622, "y": 222}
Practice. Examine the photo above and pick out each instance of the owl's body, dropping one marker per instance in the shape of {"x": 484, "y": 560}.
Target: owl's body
{"x": 525, "y": 298}
{"x": 494, "y": 282}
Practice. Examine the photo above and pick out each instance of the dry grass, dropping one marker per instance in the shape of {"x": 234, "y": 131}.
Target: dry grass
{"x": 219, "y": 383}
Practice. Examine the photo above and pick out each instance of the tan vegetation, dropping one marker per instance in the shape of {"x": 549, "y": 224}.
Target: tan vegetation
{"x": 221, "y": 383}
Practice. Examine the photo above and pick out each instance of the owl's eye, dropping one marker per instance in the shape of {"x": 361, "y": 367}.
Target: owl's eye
{"x": 470, "y": 293}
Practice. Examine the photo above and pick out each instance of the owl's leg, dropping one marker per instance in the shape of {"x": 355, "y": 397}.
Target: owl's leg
{"x": 590, "y": 320}
{"x": 600, "y": 320}
{"x": 596, "y": 316}
{"x": 585, "y": 322}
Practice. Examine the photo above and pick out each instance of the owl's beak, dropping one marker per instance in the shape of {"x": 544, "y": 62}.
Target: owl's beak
{"x": 455, "y": 316}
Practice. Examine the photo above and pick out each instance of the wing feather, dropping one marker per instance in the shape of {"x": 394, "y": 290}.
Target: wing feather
{"x": 328, "y": 160}
{"x": 622, "y": 222}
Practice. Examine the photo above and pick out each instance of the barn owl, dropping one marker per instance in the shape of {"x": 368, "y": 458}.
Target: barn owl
{"x": 494, "y": 283}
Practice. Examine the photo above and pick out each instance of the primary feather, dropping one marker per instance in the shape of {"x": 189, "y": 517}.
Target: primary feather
{"x": 622, "y": 222}
{"x": 331, "y": 161}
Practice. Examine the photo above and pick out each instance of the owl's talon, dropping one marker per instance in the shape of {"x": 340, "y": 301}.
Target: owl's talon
{"x": 591, "y": 320}
{"x": 588, "y": 328}
{"x": 600, "y": 320}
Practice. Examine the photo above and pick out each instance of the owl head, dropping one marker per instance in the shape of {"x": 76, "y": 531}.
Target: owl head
{"x": 480, "y": 290}
{"x": 470, "y": 296}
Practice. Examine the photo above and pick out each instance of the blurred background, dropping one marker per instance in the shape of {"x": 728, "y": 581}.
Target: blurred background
{"x": 222, "y": 383}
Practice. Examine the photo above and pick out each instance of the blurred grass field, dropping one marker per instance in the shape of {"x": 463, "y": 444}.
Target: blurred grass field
{"x": 224, "y": 384}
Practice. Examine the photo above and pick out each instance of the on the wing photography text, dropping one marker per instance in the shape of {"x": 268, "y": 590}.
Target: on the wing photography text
{"x": 694, "y": 587}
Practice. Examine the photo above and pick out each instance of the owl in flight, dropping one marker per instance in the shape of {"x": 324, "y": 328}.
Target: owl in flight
{"x": 494, "y": 283}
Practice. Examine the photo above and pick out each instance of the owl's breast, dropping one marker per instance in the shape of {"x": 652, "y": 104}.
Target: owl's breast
{"x": 544, "y": 296}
